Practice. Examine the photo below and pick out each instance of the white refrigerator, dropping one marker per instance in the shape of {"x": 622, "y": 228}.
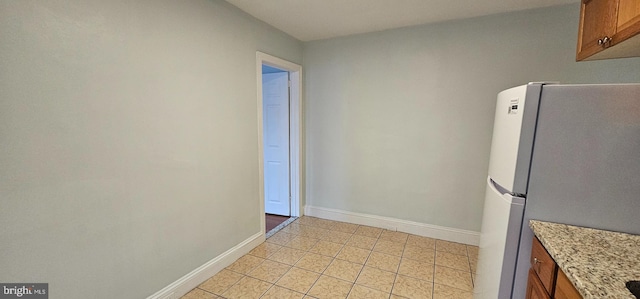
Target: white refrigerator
{"x": 505, "y": 192}
{"x": 560, "y": 153}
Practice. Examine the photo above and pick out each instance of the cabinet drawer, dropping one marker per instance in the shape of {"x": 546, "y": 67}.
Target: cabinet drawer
{"x": 543, "y": 265}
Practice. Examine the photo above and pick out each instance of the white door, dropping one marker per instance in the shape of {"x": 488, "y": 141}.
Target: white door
{"x": 501, "y": 223}
{"x": 505, "y": 143}
{"x": 275, "y": 107}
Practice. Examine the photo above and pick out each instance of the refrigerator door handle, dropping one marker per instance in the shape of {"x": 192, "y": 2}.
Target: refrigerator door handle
{"x": 504, "y": 193}
{"x": 496, "y": 187}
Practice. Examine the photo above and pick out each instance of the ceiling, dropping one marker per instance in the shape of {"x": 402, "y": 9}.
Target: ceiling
{"x": 309, "y": 20}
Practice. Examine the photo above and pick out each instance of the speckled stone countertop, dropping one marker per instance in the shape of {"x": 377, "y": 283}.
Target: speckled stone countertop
{"x": 597, "y": 262}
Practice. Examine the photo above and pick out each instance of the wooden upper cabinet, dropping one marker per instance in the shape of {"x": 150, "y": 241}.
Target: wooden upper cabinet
{"x": 608, "y": 29}
{"x": 598, "y": 18}
{"x": 628, "y": 17}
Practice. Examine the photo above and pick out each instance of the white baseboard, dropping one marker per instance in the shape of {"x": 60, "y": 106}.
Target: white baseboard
{"x": 416, "y": 228}
{"x": 186, "y": 283}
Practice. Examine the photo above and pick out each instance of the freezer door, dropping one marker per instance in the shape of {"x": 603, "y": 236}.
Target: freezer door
{"x": 499, "y": 239}
{"x": 513, "y": 131}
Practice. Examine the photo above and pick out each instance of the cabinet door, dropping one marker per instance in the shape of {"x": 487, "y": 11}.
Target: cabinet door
{"x": 565, "y": 289}
{"x": 543, "y": 265}
{"x": 535, "y": 289}
{"x": 598, "y": 18}
{"x": 628, "y": 19}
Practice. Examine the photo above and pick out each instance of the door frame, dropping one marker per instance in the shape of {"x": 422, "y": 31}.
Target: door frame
{"x": 295, "y": 132}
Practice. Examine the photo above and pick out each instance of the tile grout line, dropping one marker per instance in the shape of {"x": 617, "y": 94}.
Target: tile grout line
{"x": 313, "y": 225}
{"x": 473, "y": 281}
{"x": 433, "y": 276}
{"x": 398, "y": 270}
{"x": 233, "y": 284}
{"x": 363, "y": 265}
{"x": 273, "y": 284}
{"x": 247, "y": 274}
{"x": 198, "y": 287}
{"x": 470, "y": 270}
{"x": 293, "y": 266}
{"x": 325, "y": 269}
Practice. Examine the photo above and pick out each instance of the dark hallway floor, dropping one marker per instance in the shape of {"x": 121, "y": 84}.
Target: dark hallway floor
{"x": 274, "y": 220}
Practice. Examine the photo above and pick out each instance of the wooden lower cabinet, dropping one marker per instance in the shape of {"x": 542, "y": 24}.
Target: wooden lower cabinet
{"x": 535, "y": 289}
{"x": 546, "y": 280}
{"x": 564, "y": 288}
{"x": 543, "y": 265}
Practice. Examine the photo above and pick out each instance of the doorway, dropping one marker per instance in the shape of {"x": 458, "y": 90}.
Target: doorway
{"x": 279, "y": 110}
{"x": 275, "y": 139}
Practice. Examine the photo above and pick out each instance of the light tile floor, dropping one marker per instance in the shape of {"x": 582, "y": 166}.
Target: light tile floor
{"x": 318, "y": 258}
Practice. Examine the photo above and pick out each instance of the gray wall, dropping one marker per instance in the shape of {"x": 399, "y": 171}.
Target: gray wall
{"x": 129, "y": 137}
{"x": 399, "y": 123}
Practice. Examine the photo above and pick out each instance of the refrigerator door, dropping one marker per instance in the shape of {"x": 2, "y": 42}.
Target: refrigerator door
{"x": 585, "y": 168}
{"x": 499, "y": 239}
{"x": 513, "y": 130}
